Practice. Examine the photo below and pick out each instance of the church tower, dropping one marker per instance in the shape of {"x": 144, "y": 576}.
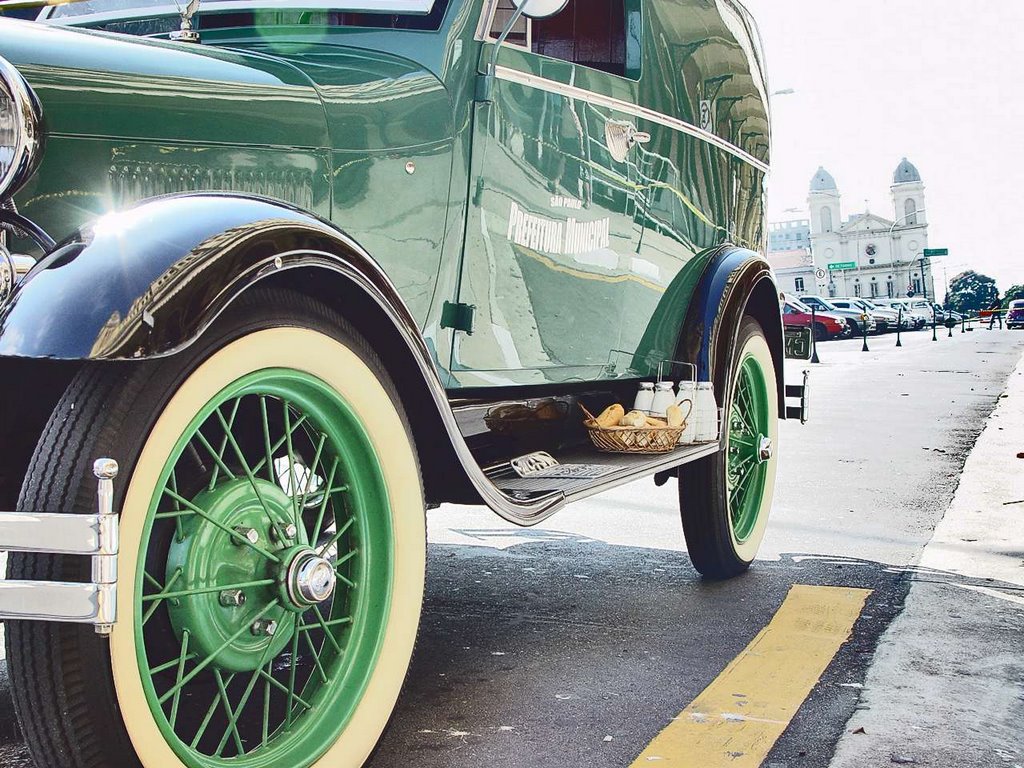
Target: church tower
{"x": 826, "y": 215}
{"x": 908, "y": 196}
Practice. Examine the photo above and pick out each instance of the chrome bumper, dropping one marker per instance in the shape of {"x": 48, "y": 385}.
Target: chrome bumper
{"x": 96, "y": 536}
{"x": 801, "y": 393}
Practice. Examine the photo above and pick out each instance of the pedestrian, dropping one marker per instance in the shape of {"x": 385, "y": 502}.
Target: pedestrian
{"x": 996, "y": 309}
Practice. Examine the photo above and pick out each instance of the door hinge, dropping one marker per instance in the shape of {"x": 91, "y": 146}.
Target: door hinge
{"x": 458, "y": 317}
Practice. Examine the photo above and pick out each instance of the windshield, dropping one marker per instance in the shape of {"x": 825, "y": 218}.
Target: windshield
{"x": 126, "y": 8}
{"x": 1018, "y": 304}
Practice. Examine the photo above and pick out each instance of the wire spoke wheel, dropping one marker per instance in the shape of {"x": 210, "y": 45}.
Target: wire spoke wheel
{"x": 725, "y": 499}
{"x": 748, "y": 430}
{"x": 266, "y": 553}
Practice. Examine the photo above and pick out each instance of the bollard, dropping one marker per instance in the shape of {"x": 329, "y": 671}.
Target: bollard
{"x": 814, "y": 335}
{"x": 899, "y": 322}
{"x": 950, "y": 328}
{"x": 864, "y": 325}
{"x": 934, "y": 337}
{"x": 963, "y": 323}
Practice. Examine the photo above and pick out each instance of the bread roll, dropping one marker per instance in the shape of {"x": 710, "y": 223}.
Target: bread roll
{"x": 675, "y": 417}
{"x": 634, "y": 419}
{"x": 611, "y": 416}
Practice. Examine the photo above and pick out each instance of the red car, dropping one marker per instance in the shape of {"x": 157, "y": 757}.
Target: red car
{"x": 826, "y": 325}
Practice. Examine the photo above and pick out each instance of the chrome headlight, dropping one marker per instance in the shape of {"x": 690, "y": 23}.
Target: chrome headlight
{"x": 20, "y": 129}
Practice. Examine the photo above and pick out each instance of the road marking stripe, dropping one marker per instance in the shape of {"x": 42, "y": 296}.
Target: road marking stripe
{"x": 738, "y": 718}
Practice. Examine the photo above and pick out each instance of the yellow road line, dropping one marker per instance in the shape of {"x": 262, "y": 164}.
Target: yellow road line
{"x": 739, "y": 717}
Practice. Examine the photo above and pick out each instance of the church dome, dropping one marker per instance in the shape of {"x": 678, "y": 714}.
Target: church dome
{"x": 906, "y": 173}
{"x": 823, "y": 182}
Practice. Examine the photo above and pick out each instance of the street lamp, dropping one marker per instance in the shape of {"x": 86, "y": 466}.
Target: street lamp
{"x": 892, "y": 250}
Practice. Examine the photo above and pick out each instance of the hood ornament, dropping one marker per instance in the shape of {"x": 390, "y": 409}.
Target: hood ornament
{"x": 186, "y": 34}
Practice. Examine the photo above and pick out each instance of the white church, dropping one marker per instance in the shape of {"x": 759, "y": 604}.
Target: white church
{"x": 869, "y": 255}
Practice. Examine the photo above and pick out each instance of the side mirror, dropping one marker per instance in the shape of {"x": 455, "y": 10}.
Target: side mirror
{"x": 541, "y": 9}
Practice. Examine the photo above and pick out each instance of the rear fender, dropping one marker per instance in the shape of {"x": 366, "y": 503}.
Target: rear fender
{"x": 736, "y": 282}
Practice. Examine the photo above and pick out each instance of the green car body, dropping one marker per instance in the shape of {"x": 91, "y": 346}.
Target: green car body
{"x": 468, "y": 242}
{"x": 328, "y": 119}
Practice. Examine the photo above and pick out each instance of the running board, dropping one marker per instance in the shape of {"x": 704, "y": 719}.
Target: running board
{"x": 586, "y": 473}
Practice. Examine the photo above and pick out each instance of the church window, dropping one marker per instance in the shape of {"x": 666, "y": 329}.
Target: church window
{"x": 910, "y": 211}
{"x": 826, "y": 219}
{"x": 874, "y": 289}
{"x": 917, "y": 285}
{"x": 890, "y": 289}
{"x": 856, "y": 289}
{"x": 798, "y": 283}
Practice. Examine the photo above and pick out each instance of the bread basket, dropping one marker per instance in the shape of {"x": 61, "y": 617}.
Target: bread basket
{"x": 631, "y": 439}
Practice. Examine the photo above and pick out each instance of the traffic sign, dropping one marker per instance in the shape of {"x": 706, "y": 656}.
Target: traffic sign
{"x": 936, "y": 251}
{"x": 819, "y": 273}
{"x": 839, "y": 265}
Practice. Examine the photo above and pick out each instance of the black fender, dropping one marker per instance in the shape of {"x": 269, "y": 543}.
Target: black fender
{"x": 147, "y": 281}
{"x": 735, "y": 282}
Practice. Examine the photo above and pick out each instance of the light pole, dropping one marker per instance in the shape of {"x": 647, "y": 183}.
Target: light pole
{"x": 892, "y": 254}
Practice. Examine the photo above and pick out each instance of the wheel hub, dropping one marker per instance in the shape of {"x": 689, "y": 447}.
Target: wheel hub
{"x": 765, "y": 449}
{"x": 310, "y": 579}
{"x": 223, "y": 622}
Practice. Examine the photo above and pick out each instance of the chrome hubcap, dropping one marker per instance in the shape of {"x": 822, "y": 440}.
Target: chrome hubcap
{"x": 311, "y": 579}
{"x": 765, "y": 449}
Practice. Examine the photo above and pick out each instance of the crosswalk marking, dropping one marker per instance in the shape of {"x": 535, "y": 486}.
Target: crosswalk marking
{"x": 737, "y": 719}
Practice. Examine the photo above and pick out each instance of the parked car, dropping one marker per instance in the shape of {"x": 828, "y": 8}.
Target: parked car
{"x": 855, "y": 317}
{"x": 915, "y": 319}
{"x": 885, "y": 318}
{"x": 269, "y": 327}
{"x": 880, "y": 320}
{"x": 824, "y": 324}
{"x": 1015, "y": 314}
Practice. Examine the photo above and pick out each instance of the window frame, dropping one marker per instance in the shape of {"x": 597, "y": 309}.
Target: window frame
{"x": 483, "y": 34}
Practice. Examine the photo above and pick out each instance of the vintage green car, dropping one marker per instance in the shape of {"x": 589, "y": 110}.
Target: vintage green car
{"x": 305, "y": 269}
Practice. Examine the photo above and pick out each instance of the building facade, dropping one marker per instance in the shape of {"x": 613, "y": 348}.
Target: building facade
{"x": 789, "y": 235}
{"x": 866, "y": 254}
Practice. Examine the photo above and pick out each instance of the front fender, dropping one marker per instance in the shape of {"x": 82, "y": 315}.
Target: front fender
{"x": 735, "y": 282}
{"x": 146, "y": 282}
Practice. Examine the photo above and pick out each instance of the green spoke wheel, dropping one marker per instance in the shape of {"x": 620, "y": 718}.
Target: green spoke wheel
{"x": 748, "y": 440}
{"x": 277, "y": 579}
{"x": 725, "y": 498}
{"x": 272, "y": 553}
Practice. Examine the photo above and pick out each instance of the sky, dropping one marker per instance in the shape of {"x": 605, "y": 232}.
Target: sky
{"x": 940, "y": 82}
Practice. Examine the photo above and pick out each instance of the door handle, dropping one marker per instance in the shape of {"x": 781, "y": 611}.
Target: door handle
{"x": 638, "y": 137}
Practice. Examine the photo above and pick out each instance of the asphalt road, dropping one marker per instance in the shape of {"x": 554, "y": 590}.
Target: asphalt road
{"x": 576, "y": 643}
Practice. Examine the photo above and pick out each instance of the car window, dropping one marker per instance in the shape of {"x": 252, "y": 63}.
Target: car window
{"x": 1019, "y": 304}
{"x": 591, "y": 33}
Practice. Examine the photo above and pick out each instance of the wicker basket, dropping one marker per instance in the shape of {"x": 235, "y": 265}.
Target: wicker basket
{"x": 632, "y": 439}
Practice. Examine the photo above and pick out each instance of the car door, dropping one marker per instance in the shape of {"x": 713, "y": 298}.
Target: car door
{"x": 551, "y": 221}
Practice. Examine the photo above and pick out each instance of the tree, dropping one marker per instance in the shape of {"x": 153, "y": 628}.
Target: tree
{"x": 970, "y": 291}
{"x": 1013, "y": 292}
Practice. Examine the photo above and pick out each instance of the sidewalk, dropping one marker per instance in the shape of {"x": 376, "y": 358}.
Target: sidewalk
{"x": 946, "y": 686}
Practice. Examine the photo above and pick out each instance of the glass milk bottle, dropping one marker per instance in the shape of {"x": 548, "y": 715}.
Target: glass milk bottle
{"x": 664, "y": 396}
{"x": 644, "y": 397}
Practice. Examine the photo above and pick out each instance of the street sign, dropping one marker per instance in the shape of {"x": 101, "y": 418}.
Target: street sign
{"x": 839, "y": 265}
{"x": 936, "y": 251}
{"x": 819, "y": 273}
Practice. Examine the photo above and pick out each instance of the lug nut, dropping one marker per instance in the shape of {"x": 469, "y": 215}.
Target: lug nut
{"x": 232, "y": 598}
{"x": 249, "y": 534}
{"x": 284, "y": 533}
{"x": 266, "y": 627}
